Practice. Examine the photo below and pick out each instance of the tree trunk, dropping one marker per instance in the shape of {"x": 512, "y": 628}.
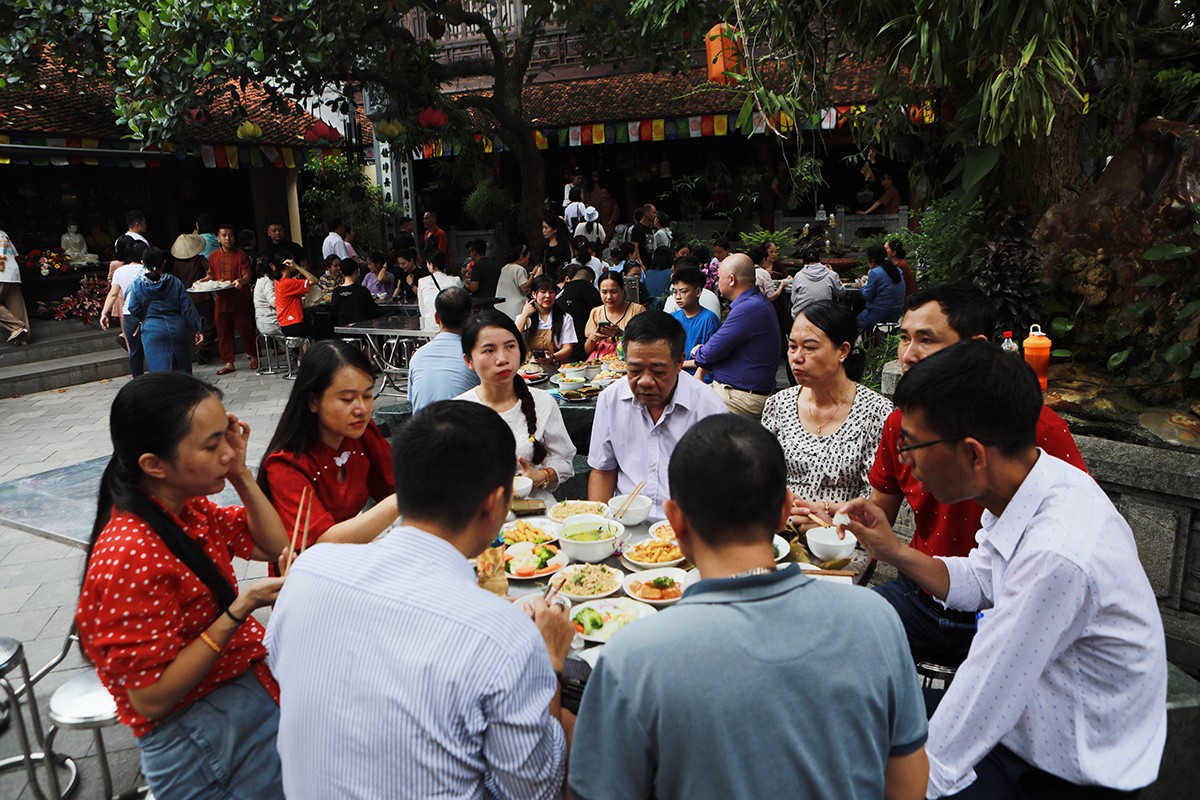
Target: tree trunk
{"x": 519, "y": 140}
{"x": 1046, "y": 170}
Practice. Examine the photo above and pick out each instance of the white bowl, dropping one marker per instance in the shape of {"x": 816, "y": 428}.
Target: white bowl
{"x": 522, "y": 486}
{"x": 649, "y": 565}
{"x": 593, "y": 369}
{"x": 568, "y": 573}
{"x": 782, "y": 548}
{"x": 637, "y": 512}
{"x": 826, "y": 545}
{"x": 679, "y": 576}
{"x": 579, "y": 372}
{"x": 603, "y": 383}
{"x": 663, "y": 530}
{"x": 597, "y": 550}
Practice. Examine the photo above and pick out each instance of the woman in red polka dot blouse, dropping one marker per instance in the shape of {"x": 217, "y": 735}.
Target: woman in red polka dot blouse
{"x": 327, "y": 443}
{"x": 160, "y": 613}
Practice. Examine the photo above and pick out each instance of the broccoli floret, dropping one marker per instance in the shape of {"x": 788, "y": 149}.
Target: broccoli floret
{"x": 590, "y": 619}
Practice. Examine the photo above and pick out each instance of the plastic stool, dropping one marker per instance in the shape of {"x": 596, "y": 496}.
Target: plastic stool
{"x": 930, "y": 672}
{"x": 266, "y": 354}
{"x": 12, "y": 657}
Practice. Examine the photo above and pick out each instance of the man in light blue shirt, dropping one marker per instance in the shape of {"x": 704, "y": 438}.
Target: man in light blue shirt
{"x": 399, "y": 676}
{"x": 437, "y": 370}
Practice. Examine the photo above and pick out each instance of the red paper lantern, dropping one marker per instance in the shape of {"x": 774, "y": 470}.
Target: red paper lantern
{"x": 321, "y": 132}
{"x": 724, "y": 53}
{"x": 433, "y": 118}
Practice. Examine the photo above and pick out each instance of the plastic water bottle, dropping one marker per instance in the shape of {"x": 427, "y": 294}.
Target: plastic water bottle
{"x": 1037, "y": 354}
{"x": 1008, "y": 345}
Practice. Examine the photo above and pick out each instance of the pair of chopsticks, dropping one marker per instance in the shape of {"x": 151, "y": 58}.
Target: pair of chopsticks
{"x": 552, "y": 589}
{"x": 306, "y": 498}
{"x": 628, "y": 500}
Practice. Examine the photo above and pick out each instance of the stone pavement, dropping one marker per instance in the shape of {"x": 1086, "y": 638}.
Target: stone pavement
{"x": 39, "y": 577}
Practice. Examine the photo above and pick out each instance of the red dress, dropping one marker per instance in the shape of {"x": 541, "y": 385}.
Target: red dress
{"x": 368, "y": 469}
{"x": 140, "y": 606}
{"x": 949, "y": 530}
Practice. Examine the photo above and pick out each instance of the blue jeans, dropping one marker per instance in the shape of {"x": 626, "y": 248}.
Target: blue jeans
{"x": 221, "y": 746}
{"x": 129, "y": 324}
{"x": 933, "y": 634}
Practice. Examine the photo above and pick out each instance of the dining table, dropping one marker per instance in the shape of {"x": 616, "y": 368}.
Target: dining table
{"x": 391, "y": 341}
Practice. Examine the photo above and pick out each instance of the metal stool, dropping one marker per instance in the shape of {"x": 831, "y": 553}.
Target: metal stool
{"x": 264, "y": 345}
{"x": 83, "y": 704}
{"x": 12, "y": 657}
{"x": 931, "y": 672}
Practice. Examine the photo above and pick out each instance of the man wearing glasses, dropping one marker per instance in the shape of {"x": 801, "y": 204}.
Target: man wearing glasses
{"x": 937, "y": 317}
{"x": 1063, "y": 694}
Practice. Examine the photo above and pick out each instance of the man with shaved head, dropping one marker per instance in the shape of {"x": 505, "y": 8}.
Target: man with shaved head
{"x": 743, "y": 355}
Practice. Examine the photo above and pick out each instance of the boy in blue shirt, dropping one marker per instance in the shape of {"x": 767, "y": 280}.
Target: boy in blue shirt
{"x": 698, "y": 323}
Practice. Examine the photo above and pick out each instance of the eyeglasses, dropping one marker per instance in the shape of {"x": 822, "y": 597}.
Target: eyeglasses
{"x": 901, "y": 447}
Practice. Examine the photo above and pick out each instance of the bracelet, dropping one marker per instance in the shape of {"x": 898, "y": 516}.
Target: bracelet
{"x": 238, "y": 620}
{"x": 208, "y": 640}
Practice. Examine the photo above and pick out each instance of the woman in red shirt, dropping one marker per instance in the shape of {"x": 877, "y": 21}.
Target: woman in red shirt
{"x": 327, "y": 442}
{"x": 160, "y": 613}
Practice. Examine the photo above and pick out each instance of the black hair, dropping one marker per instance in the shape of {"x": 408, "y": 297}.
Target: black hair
{"x": 560, "y": 227}
{"x": 701, "y": 253}
{"x": 897, "y": 246}
{"x": 491, "y": 318}
{"x": 275, "y": 221}
{"x": 692, "y": 276}
{"x": 349, "y": 268}
{"x": 973, "y": 388}
{"x": 685, "y": 262}
{"x": 662, "y": 258}
{"x": 657, "y": 326}
{"x": 453, "y": 307}
{"x": 153, "y": 415}
{"x": 811, "y": 255}
{"x": 131, "y": 250}
{"x": 639, "y": 212}
{"x": 334, "y": 223}
{"x": 377, "y": 257}
{"x": 246, "y": 238}
{"x": 589, "y": 225}
{"x": 723, "y": 244}
{"x": 582, "y": 268}
{"x": 436, "y": 258}
{"x": 478, "y": 245}
{"x": 518, "y": 251}
{"x": 227, "y": 225}
{"x": 154, "y": 258}
{"x": 407, "y": 253}
{"x": 622, "y": 251}
{"x": 758, "y": 254}
{"x": 204, "y": 223}
{"x": 133, "y": 217}
{"x": 743, "y": 458}
{"x": 967, "y": 309}
{"x": 663, "y": 219}
{"x": 878, "y": 256}
{"x": 837, "y": 322}
{"x": 433, "y": 480}
{"x": 575, "y": 195}
{"x": 557, "y": 314}
{"x": 299, "y": 428}
{"x": 613, "y": 275}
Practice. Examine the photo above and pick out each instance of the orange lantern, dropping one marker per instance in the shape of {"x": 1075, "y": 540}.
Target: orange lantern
{"x": 724, "y": 53}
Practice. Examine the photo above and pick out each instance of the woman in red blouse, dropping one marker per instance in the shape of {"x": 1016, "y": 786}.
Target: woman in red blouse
{"x": 160, "y": 613}
{"x": 327, "y": 442}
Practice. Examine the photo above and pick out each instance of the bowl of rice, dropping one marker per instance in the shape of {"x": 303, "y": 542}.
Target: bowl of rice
{"x": 588, "y": 581}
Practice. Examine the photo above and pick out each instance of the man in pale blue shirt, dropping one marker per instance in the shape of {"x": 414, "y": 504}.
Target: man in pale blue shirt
{"x": 437, "y": 370}
{"x": 1063, "y": 692}
{"x": 399, "y": 676}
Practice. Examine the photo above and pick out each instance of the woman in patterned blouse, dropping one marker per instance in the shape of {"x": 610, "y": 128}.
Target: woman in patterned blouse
{"x": 160, "y": 613}
{"x": 829, "y": 425}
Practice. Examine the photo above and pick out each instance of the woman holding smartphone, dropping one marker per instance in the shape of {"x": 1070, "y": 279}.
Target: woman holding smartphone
{"x": 606, "y": 324}
{"x": 548, "y": 331}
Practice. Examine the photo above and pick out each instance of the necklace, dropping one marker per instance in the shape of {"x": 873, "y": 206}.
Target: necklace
{"x": 609, "y": 319}
{"x": 812, "y": 411}
{"x": 754, "y": 571}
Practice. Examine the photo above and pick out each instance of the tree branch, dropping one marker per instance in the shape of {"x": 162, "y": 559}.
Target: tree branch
{"x": 467, "y": 68}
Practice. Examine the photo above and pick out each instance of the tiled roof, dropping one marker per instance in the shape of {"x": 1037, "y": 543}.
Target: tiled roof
{"x": 638, "y": 96}
{"x": 49, "y": 106}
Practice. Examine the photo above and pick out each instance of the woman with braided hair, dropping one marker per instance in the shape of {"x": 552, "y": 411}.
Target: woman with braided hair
{"x": 160, "y": 613}
{"x": 494, "y": 349}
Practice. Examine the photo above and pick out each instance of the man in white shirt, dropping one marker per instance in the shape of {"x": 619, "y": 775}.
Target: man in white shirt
{"x": 639, "y": 420}
{"x": 135, "y": 221}
{"x": 334, "y": 244}
{"x": 1063, "y": 693}
{"x": 399, "y": 675}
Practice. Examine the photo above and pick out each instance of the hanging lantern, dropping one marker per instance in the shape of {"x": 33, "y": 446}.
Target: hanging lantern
{"x": 248, "y": 131}
{"x": 724, "y": 53}
{"x": 433, "y": 118}
{"x": 322, "y": 133}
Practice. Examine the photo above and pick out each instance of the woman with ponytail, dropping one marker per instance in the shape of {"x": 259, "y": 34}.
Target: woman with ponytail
{"x": 160, "y": 613}
{"x": 170, "y": 324}
{"x": 327, "y": 443}
{"x": 546, "y": 327}
{"x": 883, "y": 292}
{"x": 494, "y": 350}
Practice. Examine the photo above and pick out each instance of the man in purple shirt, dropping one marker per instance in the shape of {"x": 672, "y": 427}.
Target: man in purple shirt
{"x": 639, "y": 421}
{"x": 743, "y": 355}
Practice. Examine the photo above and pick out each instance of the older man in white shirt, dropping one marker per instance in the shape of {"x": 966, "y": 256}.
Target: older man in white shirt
{"x": 639, "y": 421}
{"x": 1063, "y": 693}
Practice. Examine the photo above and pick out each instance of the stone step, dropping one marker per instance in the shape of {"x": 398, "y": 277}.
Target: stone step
{"x": 51, "y": 340}
{"x": 55, "y": 373}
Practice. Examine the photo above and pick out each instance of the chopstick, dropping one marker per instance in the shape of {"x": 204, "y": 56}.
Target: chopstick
{"x": 839, "y": 573}
{"x": 304, "y": 495}
{"x": 628, "y": 500}
{"x": 818, "y": 520}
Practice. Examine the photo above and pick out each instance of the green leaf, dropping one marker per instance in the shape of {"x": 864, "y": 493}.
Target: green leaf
{"x": 977, "y": 164}
{"x": 1062, "y": 352}
{"x": 1180, "y": 351}
{"x": 1061, "y": 326}
{"x": 1167, "y": 251}
{"x": 1195, "y": 371}
{"x": 1138, "y": 308}
{"x": 1196, "y": 229}
{"x": 1117, "y": 360}
{"x": 1189, "y": 310}
{"x": 1153, "y": 279}
{"x": 145, "y": 18}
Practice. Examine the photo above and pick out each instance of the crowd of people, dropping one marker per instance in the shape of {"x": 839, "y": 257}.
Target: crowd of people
{"x": 385, "y": 671}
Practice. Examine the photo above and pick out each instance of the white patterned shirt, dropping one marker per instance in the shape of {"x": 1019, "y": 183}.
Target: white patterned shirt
{"x": 1068, "y": 669}
{"x": 401, "y": 678}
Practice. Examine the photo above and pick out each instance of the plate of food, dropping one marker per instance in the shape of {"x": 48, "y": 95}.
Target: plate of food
{"x": 782, "y": 548}
{"x": 598, "y": 620}
{"x": 569, "y": 508}
{"x": 653, "y": 553}
{"x": 658, "y": 587}
{"x": 526, "y": 561}
{"x": 535, "y": 530}
{"x": 211, "y": 286}
{"x": 663, "y": 530}
{"x": 568, "y": 380}
{"x": 588, "y": 581}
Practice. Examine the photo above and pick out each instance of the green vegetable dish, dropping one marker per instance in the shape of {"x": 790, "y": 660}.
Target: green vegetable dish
{"x": 590, "y": 619}
{"x": 590, "y": 536}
